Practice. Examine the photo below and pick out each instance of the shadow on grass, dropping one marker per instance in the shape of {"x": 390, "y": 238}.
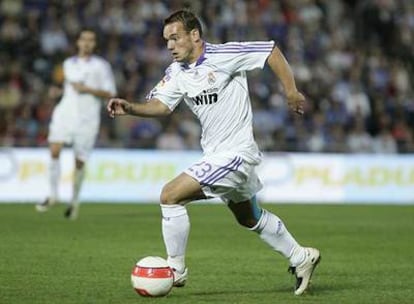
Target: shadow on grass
{"x": 314, "y": 290}
{"x": 237, "y": 292}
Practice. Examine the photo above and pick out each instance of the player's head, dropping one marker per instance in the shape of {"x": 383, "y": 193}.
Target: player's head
{"x": 183, "y": 32}
{"x": 86, "y": 42}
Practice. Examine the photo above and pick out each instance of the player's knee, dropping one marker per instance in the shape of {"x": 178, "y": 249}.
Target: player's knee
{"x": 55, "y": 150}
{"x": 79, "y": 164}
{"x": 168, "y": 196}
{"x": 55, "y": 153}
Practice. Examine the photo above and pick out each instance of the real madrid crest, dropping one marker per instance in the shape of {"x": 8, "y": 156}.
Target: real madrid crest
{"x": 211, "y": 78}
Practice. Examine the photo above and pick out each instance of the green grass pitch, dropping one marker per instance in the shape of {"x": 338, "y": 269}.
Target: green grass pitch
{"x": 368, "y": 255}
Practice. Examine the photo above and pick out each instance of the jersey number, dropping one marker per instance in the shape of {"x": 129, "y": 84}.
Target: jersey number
{"x": 201, "y": 169}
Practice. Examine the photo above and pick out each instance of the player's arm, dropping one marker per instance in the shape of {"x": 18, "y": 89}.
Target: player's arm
{"x": 55, "y": 92}
{"x": 152, "y": 108}
{"x": 81, "y": 88}
{"x": 281, "y": 68}
{"x": 161, "y": 101}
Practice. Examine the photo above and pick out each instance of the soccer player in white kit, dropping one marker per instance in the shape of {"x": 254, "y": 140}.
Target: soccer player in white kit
{"x": 211, "y": 80}
{"x": 88, "y": 80}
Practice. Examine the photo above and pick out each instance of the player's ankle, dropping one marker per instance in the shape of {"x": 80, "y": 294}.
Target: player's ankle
{"x": 177, "y": 263}
{"x": 298, "y": 256}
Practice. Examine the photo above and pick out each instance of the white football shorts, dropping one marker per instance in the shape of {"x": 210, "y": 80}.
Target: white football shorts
{"x": 227, "y": 176}
{"x": 82, "y": 136}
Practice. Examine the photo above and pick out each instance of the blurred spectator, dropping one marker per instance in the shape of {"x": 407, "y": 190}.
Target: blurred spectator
{"x": 354, "y": 60}
{"x": 170, "y": 139}
{"x": 144, "y": 133}
{"x": 337, "y": 140}
{"x": 53, "y": 39}
{"x": 26, "y": 127}
{"x": 357, "y": 102}
{"x": 403, "y": 135}
{"x": 359, "y": 140}
{"x": 384, "y": 143}
{"x": 11, "y": 7}
{"x": 317, "y": 141}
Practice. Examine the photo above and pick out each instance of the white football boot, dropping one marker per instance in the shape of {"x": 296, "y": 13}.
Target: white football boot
{"x": 72, "y": 212}
{"x": 304, "y": 271}
{"x": 180, "y": 278}
{"x": 45, "y": 205}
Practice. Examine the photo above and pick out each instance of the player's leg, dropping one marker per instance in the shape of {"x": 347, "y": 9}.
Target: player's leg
{"x": 198, "y": 182}
{"x": 271, "y": 229}
{"x": 54, "y": 176}
{"x": 60, "y": 132}
{"x": 176, "y": 223}
{"x": 72, "y": 211}
{"x": 82, "y": 145}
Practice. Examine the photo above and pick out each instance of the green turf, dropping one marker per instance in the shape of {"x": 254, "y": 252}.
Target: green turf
{"x": 367, "y": 254}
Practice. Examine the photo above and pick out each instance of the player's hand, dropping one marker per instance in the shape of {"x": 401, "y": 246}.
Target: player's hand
{"x": 117, "y": 106}
{"x": 296, "y": 102}
{"x": 80, "y": 87}
{"x": 54, "y": 92}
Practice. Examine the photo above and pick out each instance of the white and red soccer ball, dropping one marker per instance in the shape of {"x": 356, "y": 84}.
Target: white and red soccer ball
{"x": 152, "y": 277}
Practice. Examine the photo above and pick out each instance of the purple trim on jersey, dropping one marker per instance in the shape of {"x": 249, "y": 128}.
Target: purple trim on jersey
{"x": 199, "y": 61}
{"x": 245, "y": 44}
{"x": 232, "y": 48}
{"x": 223, "y": 46}
{"x": 75, "y": 58}
{"x": 202, "y": 57}
{"x": 239, "y": 49}
{"x": 238, "y": 52}
{"x": 167, "y": 76}
{"x": 239, "y": 46}
{"x": 222, "y": 171}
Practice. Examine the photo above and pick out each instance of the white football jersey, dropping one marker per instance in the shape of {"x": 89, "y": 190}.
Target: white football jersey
{"x": 215, "y": 89}
{"x": 94, "y": 72}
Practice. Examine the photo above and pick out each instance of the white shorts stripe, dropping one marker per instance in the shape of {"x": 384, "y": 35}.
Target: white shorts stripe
{"x": 222, "y": 174}
{"x": 218, "y": 171}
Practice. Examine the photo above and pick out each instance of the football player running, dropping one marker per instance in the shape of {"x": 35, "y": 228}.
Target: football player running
{"x": 88, "y": 79}
{"x": 211, "y": 80}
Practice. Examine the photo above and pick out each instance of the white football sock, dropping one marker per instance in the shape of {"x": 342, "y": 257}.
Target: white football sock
{"x": 77, "y": 183}
{"x": 177, "y": 262}
{"x": 54, "y": 177}
{"x": 175, "y": 231}
{"x": 274, "y": 232}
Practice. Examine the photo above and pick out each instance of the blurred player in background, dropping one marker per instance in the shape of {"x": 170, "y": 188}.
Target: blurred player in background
{"x": 211, "y": 80}
{"x": 88, "y": 80}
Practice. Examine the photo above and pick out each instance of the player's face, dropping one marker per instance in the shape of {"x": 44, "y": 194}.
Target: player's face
{"x": 180, "y": 43}
{"x": 86, "y": 43}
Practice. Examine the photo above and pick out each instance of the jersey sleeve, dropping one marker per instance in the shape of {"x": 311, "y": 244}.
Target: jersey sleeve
{"x": 65, "y": 70}
{"x": 107, "y": 79}
{"x": 240, "y": 56}
{"x": 167, "y": 90}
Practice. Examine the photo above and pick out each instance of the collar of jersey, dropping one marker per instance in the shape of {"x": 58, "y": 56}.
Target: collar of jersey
{"x": 199, "y": 61}
{"x": 87, "y": 59}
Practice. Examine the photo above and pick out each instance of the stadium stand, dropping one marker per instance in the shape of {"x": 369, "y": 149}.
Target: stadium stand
{"x": 354, "y": 60}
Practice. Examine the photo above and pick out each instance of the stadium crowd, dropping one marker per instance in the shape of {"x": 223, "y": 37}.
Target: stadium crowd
{"x": 354, "y": 61}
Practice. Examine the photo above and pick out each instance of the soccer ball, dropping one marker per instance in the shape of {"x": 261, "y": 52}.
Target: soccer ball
{"x": 152, "y": 277}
